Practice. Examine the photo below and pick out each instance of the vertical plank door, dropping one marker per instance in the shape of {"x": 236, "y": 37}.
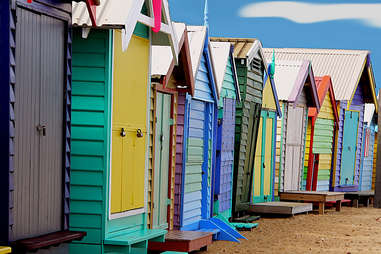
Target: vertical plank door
{"x": 348, "y": 157}
{"x": 129, "y": 112}
{"x": 294, "y": 145}
{"x": 161, "y": 169}
{"x": 38, "y": 181}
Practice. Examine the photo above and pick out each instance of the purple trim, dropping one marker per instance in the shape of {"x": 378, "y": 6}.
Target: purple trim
{"x": 6, "y": 127}
{"x": 179, "y": 159}
{"x": 336, "y": 178}
{"x": 305, "y": 71}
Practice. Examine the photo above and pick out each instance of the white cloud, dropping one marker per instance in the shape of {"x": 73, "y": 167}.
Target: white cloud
{"x": 300, "y": 12}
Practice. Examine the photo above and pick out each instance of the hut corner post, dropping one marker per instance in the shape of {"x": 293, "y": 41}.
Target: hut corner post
{"x": 377, "y": 195}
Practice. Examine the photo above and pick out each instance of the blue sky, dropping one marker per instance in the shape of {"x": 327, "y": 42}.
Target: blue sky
{"x": 224, "y": 20}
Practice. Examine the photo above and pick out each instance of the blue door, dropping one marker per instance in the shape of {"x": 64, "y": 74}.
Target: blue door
{"x": 348, "y": 159}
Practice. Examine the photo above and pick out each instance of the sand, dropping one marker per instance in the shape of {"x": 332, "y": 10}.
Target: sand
{"x": 353, "y": 230}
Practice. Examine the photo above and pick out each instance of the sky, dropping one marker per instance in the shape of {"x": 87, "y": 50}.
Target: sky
{"x": 344, "y": 24}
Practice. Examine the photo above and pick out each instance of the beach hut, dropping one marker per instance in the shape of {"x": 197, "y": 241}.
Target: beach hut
{"x": 193, "y": 181}
{"x": 354, "y": 86}
{"x": 168, "y": 81}
{"x": 251, "y": 66}
{"x": 35, "y": 125}
{"x": 321, "y": 129}
{"x": 110, "y": 124}
{"x": 368, "y": 145}
{"x": 264, "y": 164}
{"x": 297, "y": 93}
{"x": 228, "y": 89}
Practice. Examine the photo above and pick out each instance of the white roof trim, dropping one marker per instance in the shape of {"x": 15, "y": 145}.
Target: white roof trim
{"x": 220, "y": 52}
{"x": 124, "y": 14}
{"x": 196, "y": 37}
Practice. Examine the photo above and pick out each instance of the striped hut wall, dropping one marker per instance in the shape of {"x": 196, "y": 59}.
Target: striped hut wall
{"x": 367, "y": 161}
{"x": 374, "y": 160}
{"x": 323, "y": 142}
{"x": 173, "y": 163}
{"x": 179, "y": 159}
{"x": 151, "y": 155}
{"x": 280, "y": 149}
{"x": 307, "y": 153}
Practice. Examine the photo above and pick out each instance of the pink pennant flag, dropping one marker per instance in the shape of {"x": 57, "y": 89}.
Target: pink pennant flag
{"x": 157, "y": 15}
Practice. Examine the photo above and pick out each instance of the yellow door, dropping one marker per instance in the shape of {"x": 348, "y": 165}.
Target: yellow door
{"x": 128, "y": 121}
{"x": 258, "y": 163}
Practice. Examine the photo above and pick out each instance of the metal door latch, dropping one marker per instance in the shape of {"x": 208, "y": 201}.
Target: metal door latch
{"x": 123, "y": 132}
{"x": 41, "y": 129}
{"x": 139, "y": 133}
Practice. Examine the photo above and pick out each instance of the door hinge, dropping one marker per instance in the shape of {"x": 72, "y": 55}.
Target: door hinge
{"x": 169, "y": 201}
{"x": 171, "y": 121}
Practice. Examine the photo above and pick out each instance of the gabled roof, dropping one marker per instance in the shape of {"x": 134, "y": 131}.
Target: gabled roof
{"x": 221, "y": 51}
{"x": 124, "y": 14}
{"x": 344, "y": 66}
{"x": 324, "y": 86}
{"x": 163, "y": 64}
{"x": 273, "y": 88}
{"x": 290, "y": 78}
{"x": 198, "y": 46}
{"x": 244, "y": 48}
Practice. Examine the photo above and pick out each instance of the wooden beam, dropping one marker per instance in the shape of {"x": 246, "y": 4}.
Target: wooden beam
{"x": 377, "y": 194}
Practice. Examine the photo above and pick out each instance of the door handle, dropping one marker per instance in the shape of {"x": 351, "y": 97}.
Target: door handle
{"x": 41, "y": 129}
{"x": 139, "y": 133}
{"x": 123, "y": 132}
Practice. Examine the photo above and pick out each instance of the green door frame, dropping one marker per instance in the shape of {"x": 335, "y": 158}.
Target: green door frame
{"x": 262, "y": 198}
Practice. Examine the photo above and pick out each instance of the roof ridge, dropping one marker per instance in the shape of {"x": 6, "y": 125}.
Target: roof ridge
{"x": 318, "y": 51}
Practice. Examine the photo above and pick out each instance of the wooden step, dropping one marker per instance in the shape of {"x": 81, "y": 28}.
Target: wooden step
{"x": 48, "y": 240}
{"x": 282, "y": 208}
{"x": 183, "y": 241}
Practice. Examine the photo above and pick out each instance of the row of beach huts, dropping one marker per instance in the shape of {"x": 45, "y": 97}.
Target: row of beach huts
{"x": 125, "y": 132}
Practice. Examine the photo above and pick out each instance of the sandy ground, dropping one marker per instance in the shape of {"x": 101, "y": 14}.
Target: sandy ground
{"x": 353, "y": 230}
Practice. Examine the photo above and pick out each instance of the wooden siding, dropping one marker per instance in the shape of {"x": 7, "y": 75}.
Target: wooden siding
{"x": 323, "y": 143}
{"x": 225, "y": 144}
{"x": 374, "y": 160}
{"x": 357, "y": 105}
{"x": 90, "y": 117}
{"x": 228, "y": 88}
{"x": 280, "y": 149}
{"x": 38, "y": 176}
{"x": 151, "y": 154}
{"x": 307, "y": 152}
{"x": 199, "y": 151}
{"x": 225, "y": 160}
{"x": 173, "y": 162}
{"x": 247, "y": 120}
{"x": 367, "y": 161}
{"x": 179, "y": 160}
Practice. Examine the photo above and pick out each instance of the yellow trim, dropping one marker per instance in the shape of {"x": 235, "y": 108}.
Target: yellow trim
{"x": 5, "y": 250}
{"x": 371, "y": 77}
